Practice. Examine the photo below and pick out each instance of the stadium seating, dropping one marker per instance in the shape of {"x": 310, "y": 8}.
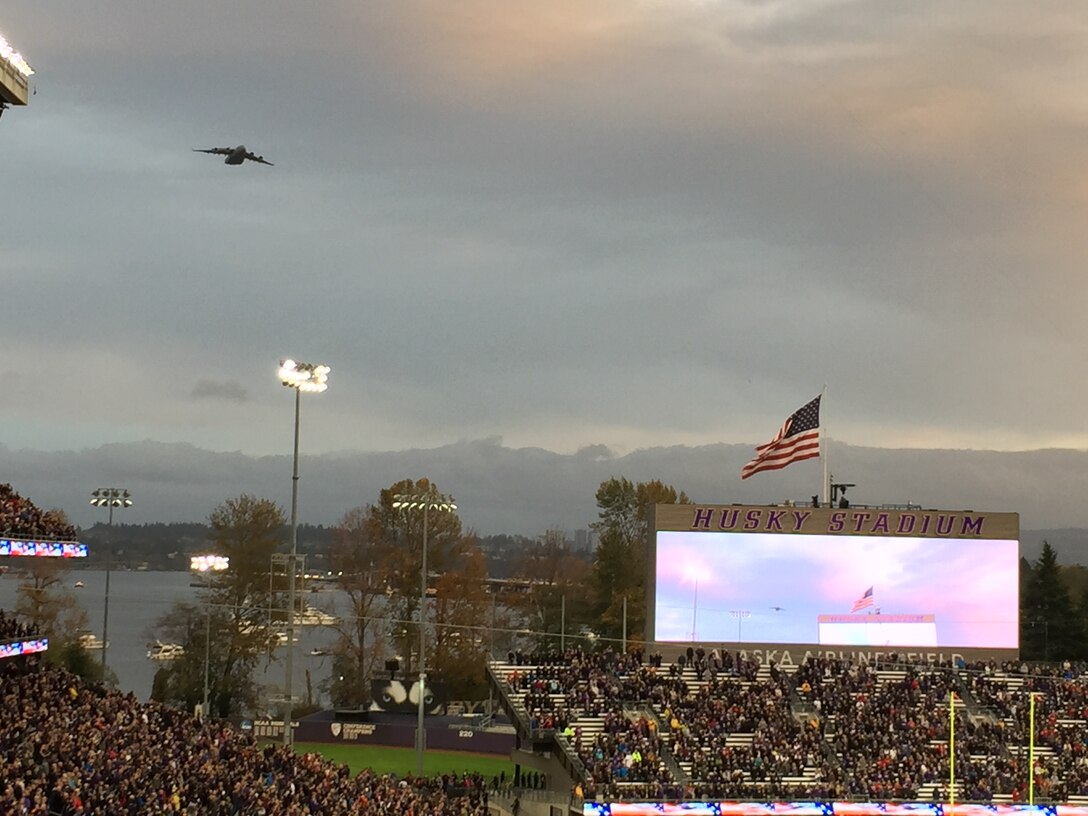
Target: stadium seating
{"x": 718, "y": 725}
{"x": 71, "y": 748}
{"x": 21, "y": 518}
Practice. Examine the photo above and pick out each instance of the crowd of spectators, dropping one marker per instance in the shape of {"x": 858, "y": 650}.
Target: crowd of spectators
{"x": 626, "y": 755}
{"x": 775, "y": 748}
{"x": 1061, "y": 707}
{"x": 11, "y": 628}
{"x": 21, "y": 518}
{"x": 69, "y": 748}
{"x": 828, "y": 728}
{"x": 891, "y": 736}
{"x": 552, "y": 684}
{"x": 628, "y": 749}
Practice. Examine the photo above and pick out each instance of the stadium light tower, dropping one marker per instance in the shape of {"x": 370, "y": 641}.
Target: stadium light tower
{"x": 313, "y": 379}
{"x": 15, "y": 74}
{"x": 426, "y": 501}
{"x": 110, "y": 497}
{"x": 206, "y": 565}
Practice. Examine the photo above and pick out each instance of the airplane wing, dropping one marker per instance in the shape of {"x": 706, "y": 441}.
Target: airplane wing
{"x": 219, "y": 151}
{"x": 259, "y": 159}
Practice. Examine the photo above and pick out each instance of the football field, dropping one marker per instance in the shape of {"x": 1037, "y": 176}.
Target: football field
{"x": 402, "y": 761}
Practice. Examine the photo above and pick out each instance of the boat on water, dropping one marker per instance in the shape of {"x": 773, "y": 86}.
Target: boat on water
{"x": 165, "y": 651}
{"x": 275, "y": 638}
{"x": 91, "y": 642}
{"x": 311, "y": 616}
{"x": 78, "y": 585}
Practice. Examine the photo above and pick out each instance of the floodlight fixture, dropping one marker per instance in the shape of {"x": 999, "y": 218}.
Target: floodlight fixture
{"x": 423, "y": 501}
{"x": 313, "y": 378}
{"x": 14, "y": 58}
{"x": 209, "y": 563}
{"x": 111, "y": 497}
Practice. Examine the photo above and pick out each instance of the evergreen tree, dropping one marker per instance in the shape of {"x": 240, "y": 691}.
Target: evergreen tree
{"x": 1049, "y": 625}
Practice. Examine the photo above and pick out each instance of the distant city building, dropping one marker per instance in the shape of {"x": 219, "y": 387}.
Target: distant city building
{"x": 585, "y": 541}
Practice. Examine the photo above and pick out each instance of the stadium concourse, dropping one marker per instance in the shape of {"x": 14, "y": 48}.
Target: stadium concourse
{"x": 717, "y": 726}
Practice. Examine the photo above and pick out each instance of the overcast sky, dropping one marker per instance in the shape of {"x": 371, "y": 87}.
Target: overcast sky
{"x": 559, "y": 223}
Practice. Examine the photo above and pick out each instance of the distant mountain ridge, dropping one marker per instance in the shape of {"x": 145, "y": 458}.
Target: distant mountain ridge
{"x": 1069, "y": 544}
{"x": 526, "y": 491}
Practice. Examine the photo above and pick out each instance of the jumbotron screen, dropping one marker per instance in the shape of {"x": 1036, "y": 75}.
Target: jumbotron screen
{"x": 849, "y": 579}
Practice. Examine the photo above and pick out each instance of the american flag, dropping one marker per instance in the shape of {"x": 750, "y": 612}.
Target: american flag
{"x": 865, "y": 600}
{"x": 798, "y": 439}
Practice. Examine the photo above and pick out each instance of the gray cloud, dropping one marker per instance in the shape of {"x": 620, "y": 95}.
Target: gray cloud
{"x": 565, "y": 224}
{"x": 221, "y": 390}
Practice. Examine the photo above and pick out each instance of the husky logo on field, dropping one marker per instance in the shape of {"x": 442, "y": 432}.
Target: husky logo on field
{"x": 394, "y": 695}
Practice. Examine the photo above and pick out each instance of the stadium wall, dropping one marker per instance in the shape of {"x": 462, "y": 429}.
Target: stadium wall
{"x": 397, "y": 736}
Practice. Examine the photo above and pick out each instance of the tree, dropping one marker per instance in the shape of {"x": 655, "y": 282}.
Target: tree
{"x": 362, "y": 567}
{"x": 238, "y": 603}
{"x": 385, "y": 544}
{"x": 462, "y": 608}
{"x": 400, "y": 533}
{"x": 619, "y": 569}
{"x": 1049, "y": 625}
{"x": 47, "y": 603}
{"x": 558, "y": 583}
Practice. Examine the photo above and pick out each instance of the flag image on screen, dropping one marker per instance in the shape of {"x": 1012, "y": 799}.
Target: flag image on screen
{"x": 864, "y": 601}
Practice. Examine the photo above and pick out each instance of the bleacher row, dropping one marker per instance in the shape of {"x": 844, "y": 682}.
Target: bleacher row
{"x": 719, "y": 726}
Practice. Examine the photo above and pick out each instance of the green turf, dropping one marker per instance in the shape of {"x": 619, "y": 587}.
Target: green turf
{"x": 402, "y": 761}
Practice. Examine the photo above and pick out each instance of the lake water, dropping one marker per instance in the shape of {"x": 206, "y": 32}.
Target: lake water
{"x": 139, "y": 599}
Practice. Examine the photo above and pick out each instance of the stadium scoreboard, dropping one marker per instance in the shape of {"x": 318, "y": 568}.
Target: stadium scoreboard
{"x": 786, "y": 582}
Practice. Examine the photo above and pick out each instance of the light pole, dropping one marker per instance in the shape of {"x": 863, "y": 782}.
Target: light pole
{"x": 426, "y": 501}
{"x": 694, "y": 609}
{"x": 740, "y": 615}
{"x": 313, "y": 379}
{"x": 206, "y": 565}
{"x": 110, "y": 497}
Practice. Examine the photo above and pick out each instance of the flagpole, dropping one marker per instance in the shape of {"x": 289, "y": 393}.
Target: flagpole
{"x": 951, "y": 753}
{"x": 1031, "y": 750}
{"x": 823, "y": 453}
